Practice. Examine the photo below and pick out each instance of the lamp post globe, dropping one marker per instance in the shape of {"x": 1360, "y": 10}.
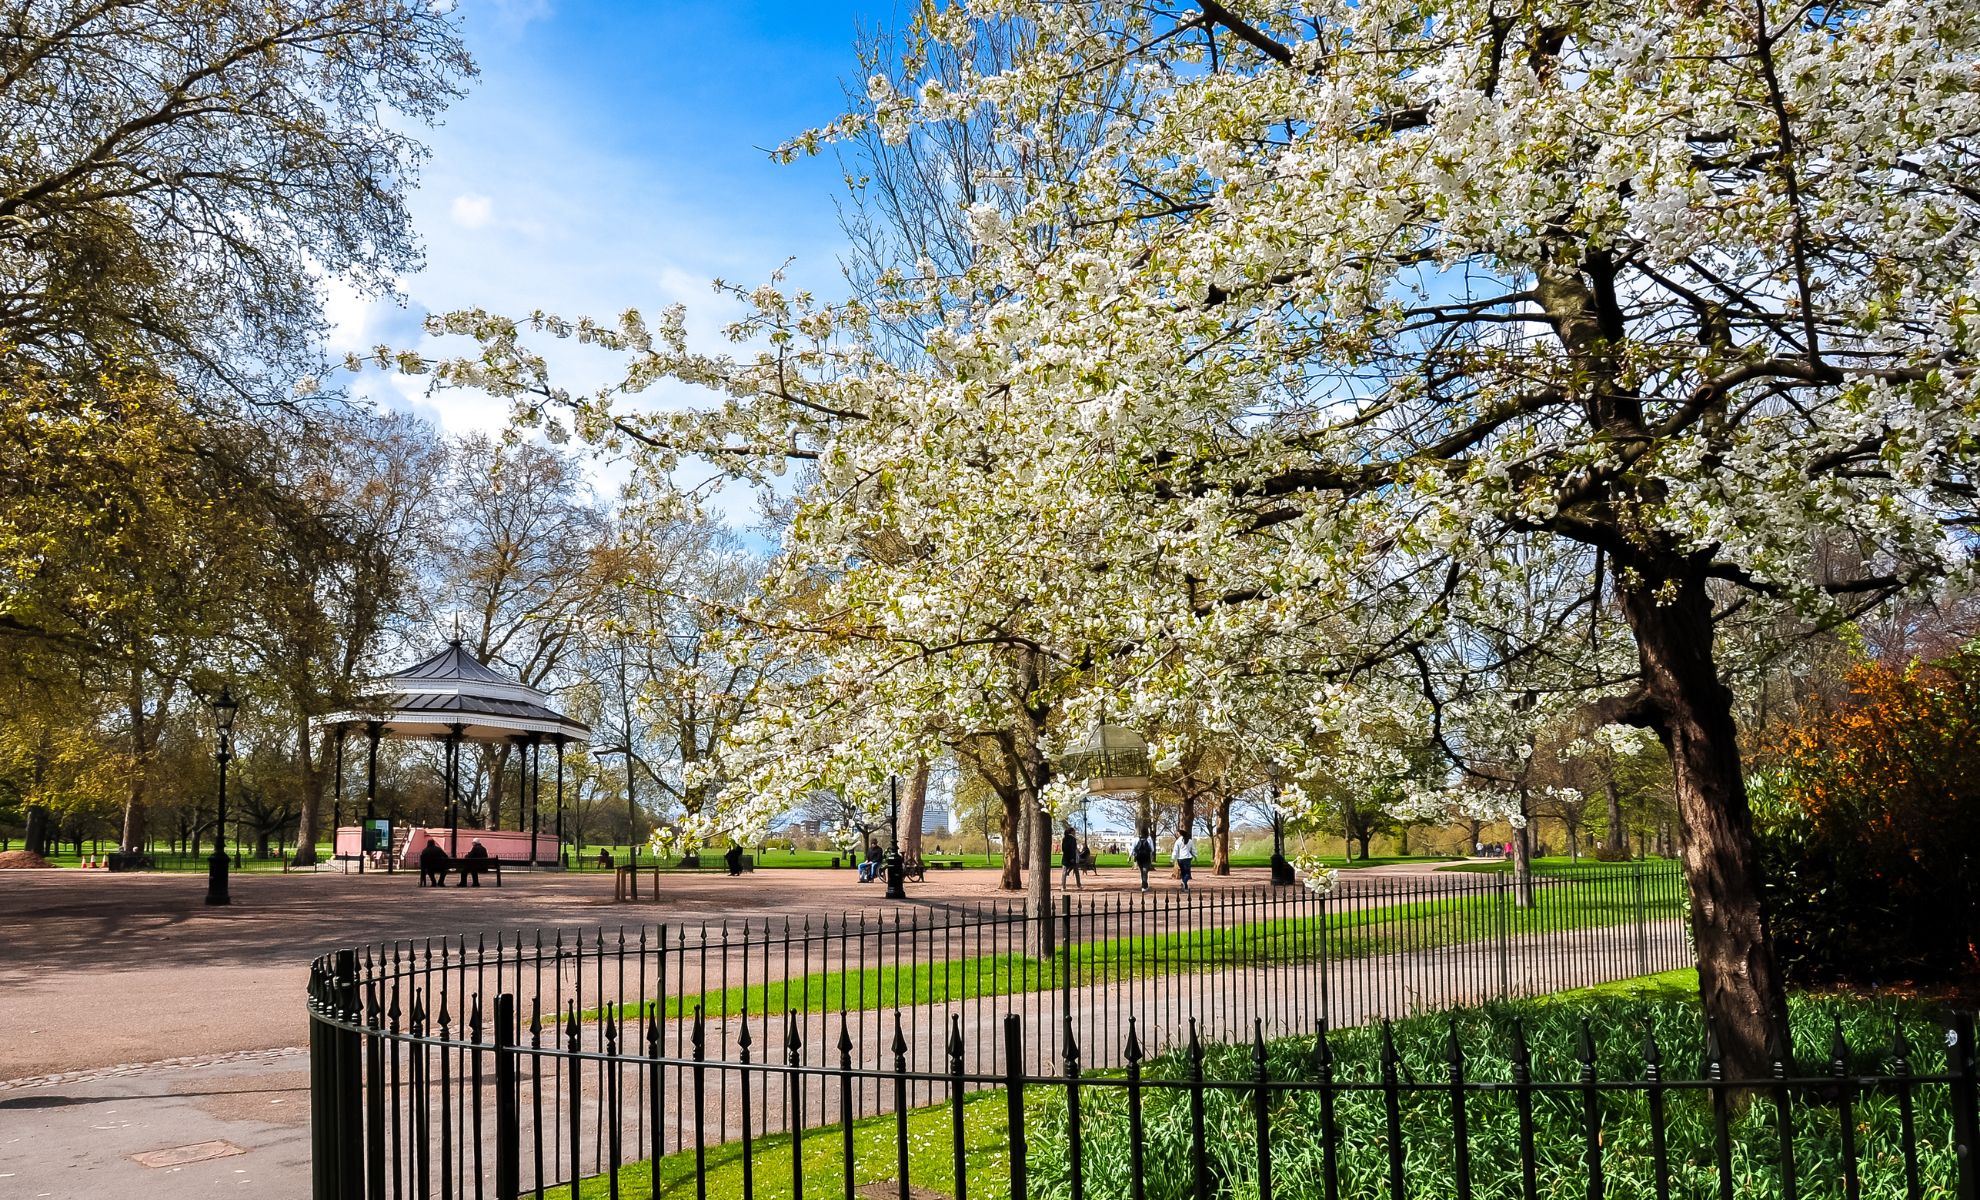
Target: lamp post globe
{"x": 896, "y": 868}
{"x": 216, "y": 865}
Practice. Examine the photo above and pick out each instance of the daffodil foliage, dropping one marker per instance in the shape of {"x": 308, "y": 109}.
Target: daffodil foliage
{"x": 1426, "y": 364}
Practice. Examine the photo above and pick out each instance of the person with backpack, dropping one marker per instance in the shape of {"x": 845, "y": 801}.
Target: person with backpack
{"x": 1183, "y": 854}
{"x": 1143, "y": 855}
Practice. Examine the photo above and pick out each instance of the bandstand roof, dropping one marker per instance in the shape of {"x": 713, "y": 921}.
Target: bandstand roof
{"x": 455, "y": 689}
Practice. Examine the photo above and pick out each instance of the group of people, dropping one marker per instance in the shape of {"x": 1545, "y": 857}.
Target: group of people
{"x": 434, "y": 863}
{"x": 1076, "y": 858}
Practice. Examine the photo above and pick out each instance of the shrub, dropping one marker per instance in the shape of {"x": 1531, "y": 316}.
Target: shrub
{"x": 1869, "y": 822}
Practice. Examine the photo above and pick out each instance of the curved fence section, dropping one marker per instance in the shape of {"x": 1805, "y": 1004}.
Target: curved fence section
{"x": 1131, "y": 1046}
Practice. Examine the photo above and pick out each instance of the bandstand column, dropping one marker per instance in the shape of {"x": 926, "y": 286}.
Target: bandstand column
{"x": 454, "y": 791}
{"x": 337, "y": 793}
{"x": 372, "y": 730}
{"x": 535, "y": 790}
{"x": 560, "y": 802}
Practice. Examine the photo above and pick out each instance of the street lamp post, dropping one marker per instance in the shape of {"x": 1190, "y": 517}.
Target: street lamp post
{"x": 896, "y": 869}
{"x": 216, "y": 866}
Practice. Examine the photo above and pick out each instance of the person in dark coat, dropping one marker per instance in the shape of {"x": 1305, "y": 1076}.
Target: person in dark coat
{"x": 734, "y": 858}
{"x": 471, "y": 864}
{"x": 432, "y": 865}
{"x": 1069, "y": 858}
{"x": 1143, "y": 855}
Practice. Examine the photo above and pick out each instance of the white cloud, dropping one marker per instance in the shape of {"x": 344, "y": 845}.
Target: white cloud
{"x": 472, "y": 211}
{"x": 535, "y": 199}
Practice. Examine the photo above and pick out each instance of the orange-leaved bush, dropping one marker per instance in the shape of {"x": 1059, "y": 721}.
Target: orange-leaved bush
{"x": 1869, "y": 821}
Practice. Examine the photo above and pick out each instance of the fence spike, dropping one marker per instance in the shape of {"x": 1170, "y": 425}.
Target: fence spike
{"x": 1132, "y": 1053}
{"x": 1453, "y": 1047}
{"x": 1838, "y": 1048}
{"x": 845, "y": 1045}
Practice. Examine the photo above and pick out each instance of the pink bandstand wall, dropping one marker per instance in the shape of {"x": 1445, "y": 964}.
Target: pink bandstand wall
{"x": 509, "y": 845}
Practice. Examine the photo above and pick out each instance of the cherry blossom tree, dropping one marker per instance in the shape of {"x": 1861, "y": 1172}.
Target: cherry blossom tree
{"x": 1360, "y": 310}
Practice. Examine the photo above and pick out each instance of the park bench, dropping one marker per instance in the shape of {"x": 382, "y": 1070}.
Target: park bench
{"x": 460, "y": 866}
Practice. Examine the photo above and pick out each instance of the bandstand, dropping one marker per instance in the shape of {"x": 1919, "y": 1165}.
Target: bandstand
{"x": 455, "y": 699}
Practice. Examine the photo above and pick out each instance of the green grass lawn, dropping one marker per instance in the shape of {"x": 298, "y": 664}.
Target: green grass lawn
{"x": 1620, "y": 1015}
{"x": 1555, "y": 864}
{"x": 931, "y": 1157}
{"x": 975, "y": 860}
{"x": 168, "y": 861}
{"x": 1348, "y": 934}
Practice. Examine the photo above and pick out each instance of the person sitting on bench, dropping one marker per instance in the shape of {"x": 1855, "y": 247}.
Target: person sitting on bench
{"x": 471, "y": 864}
{"x": 733, "y": 858}
{"x": 605, "y": 858}
{"x": 432, "y": 865}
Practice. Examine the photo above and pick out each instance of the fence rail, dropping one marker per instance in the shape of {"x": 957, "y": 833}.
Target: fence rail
{"x": 554, "y": 1060}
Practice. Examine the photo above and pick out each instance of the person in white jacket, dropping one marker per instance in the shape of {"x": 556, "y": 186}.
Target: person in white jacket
{"x": 1183, "y": 854}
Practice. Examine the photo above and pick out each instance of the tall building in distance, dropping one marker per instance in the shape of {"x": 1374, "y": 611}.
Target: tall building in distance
{"x": 935, "y": 819}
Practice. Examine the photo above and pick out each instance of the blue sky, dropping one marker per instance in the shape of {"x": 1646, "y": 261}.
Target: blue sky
{"x": 611, "y": 155}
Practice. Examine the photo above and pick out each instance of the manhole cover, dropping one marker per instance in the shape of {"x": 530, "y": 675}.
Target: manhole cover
{"x": 179, "y": 1156}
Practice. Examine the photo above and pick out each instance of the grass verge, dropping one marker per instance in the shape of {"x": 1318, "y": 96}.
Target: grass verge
{"x": 1338, "y": 935}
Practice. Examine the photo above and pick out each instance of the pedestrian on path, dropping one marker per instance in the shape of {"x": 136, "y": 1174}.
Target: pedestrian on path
{"x": 1144, "y": 856}
{"x": 1069, "y": 858}
{"x": 1183, "y": 854}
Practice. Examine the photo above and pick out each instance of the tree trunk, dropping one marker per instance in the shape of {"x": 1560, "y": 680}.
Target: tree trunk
{"x": 1220, "y": 851}
{"x": 498, "y": 775}
{"x": 1523, "y": 854}
{"x": 37, "y": 841}
{"x": 135, "y": 813}
{"x": 1618, "y": 839}
{"x": 1691, "y": 711}
{"x": 309, "y": 822}
{"x": 913, "y": 810}
{"x": 1012, "y": 879}
{"x": 1032, "y": 775}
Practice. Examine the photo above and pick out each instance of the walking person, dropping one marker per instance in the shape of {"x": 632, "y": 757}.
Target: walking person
{"x": 1143, "y": 855}
{"x": 1069, "y": 858}
{"x": 1183, "y": 854}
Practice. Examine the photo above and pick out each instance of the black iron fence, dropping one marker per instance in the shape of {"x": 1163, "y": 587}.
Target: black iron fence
{"x": 826, "y": 1057}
